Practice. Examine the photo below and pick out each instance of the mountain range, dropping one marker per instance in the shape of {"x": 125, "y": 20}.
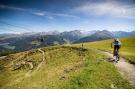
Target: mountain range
{"x": 27, "y": 41}
{"x": 99, "y": 35}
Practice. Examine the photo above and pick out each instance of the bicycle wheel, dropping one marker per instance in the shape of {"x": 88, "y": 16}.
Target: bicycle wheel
{"x": 117, "y": 58}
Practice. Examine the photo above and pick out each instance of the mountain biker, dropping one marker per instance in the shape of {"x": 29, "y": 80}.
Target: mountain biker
{"x": 117, "y": 45}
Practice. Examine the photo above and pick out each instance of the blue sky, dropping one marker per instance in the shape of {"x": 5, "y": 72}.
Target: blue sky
{"x": 18, "y": 16}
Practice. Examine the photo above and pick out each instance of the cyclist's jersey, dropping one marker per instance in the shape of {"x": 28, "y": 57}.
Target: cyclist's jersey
{"x": 116, "y": 42}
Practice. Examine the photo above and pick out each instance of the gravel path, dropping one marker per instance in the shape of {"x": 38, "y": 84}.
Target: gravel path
{"x": 125, "y": 68}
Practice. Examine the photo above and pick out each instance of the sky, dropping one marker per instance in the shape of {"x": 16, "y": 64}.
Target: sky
{"x": 19, "y": 16}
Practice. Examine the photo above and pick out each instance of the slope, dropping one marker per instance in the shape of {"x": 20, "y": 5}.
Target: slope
{"x": 127, "y": 51}
{"x": 23, "y": 43}
{"x": 62, "y": 68}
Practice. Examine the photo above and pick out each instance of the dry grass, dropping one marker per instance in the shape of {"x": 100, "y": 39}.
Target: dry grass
{"x": 64, "y": 67}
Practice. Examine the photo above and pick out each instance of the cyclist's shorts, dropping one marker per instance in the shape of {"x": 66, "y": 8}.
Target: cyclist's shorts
{"x": 116, "y": 46}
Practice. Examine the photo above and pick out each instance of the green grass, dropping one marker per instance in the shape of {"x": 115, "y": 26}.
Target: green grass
{"x": 127, "y": 50}
{"x": 36, "y": 42}
{"x": 7, "y": 46}
{"x": 64, "y": 68}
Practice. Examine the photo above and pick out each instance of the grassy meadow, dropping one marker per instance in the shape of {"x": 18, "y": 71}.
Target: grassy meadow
{"x": 63, "y": 68}
{"x": 127, "y": 50}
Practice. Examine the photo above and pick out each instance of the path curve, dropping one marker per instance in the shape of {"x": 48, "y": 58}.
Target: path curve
{"x": 40, "y": 64}
{"x": 125, "y": 68}
{"x": 43, "y": 59}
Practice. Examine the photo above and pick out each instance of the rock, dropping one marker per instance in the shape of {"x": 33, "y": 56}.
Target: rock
{"x": 62, "y": 77}
{"x": 113, "y": 86}
{"x": 66, "y": 70}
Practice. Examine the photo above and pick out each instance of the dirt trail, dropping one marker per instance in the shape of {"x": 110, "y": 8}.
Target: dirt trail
{"x": 38, "y": 67}
{"x": 125, "y": 68}
{"x": 43, "y": 59}
{"x": 2, "y": 57}
{"x": 28, "y": 74}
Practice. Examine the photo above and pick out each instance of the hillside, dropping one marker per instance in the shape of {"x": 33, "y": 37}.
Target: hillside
{"x": 23, "y": 43}
{"x": 27, "y": 41}
{"x": 72, "y": 36}
{"x": 127, "y": 51}
{"x": 59, "y": 68}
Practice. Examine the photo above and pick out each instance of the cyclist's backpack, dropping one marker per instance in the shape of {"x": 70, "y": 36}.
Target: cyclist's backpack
{"x": 116, "y": 42}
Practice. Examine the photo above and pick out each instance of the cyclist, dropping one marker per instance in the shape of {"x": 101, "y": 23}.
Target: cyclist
{"x": 117, "y": 45}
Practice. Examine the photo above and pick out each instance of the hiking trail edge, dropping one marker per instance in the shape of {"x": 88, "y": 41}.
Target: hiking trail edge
{"x": 125, "y": 68}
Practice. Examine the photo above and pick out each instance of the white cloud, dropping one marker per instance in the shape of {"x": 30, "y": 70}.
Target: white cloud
{"x": 40, "y": 13}
{"x": 50, "y": 15}
{"x": 115, "y": 9}
{"x": 11, "y": 7}
{"x": 66, "y": 15}
{"x": 22, "y": 9}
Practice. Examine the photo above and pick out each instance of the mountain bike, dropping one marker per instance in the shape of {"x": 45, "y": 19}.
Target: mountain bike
{"x": 116, "y": 56}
